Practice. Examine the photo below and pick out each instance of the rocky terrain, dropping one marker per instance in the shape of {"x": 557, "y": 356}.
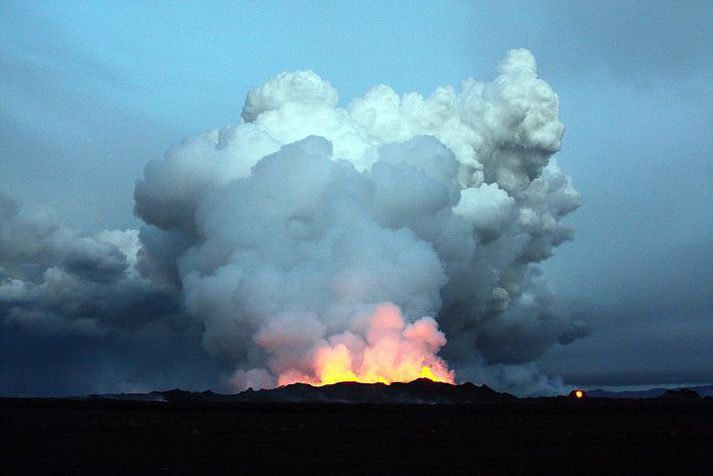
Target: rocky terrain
{"x": 310, "y": 430}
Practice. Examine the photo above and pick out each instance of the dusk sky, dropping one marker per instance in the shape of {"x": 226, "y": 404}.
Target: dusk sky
{"x": 90, "y": 92}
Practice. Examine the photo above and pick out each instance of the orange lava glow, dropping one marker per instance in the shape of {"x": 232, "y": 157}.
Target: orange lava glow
{"x": 390, "y": 351}
{"x": 579, "y": 394}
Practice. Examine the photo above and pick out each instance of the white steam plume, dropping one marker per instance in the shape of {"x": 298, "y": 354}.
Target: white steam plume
{"x": 288, "y": 231}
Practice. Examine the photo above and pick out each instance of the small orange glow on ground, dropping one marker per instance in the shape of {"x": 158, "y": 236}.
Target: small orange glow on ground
{"x": 579, "y": 394}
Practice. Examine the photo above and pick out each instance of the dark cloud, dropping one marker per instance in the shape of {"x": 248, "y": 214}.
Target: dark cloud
{"x": 76, "y": 316}
{"x": 50, "y": 274}
{"x": 657, "y": 327}
{"x": 39, "y": 362}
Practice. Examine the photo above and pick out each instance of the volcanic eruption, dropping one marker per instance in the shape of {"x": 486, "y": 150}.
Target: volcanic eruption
{"x": 319, "y": 243}
{"x": 391, "y": 351}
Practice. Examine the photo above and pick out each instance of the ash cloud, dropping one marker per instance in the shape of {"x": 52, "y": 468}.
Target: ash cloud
{"x": 53, "y": 278}
{"x": 282, "y": 235}
{"x": 77, "y": 316}
{"x": 306, "y": 216}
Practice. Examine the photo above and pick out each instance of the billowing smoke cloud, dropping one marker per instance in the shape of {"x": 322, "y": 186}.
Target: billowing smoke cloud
{"x": 314, "y": 242}
{"x": 286, "y": 233}
{"x": 54, "y": 279}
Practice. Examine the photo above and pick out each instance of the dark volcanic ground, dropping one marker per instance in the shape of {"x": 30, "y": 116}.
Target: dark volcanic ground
{"x": 531, "y": 436}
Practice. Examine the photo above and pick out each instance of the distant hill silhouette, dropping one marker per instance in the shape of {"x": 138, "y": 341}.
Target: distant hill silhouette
{"x": 420, "y": 391}
{"x": 682, "y": 393}
{"x": 701, "y": 390}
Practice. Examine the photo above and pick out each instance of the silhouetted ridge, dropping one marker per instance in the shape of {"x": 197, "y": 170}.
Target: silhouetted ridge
{"x": 656, "y": 392}
{"x": 681, "y": 393}
{"x": 418, "y": 391}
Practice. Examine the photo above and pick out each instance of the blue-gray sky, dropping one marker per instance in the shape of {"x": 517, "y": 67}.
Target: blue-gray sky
{"x": 91, "y": 91}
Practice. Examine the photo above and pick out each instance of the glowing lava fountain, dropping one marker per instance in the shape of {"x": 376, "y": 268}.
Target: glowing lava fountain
{"x": 390, "y": 351}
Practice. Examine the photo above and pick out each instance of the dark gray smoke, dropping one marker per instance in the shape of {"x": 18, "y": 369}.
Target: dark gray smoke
{"x": 53, "y": 277}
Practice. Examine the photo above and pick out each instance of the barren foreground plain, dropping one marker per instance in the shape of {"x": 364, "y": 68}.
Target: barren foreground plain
{"x": 530, "y": 436}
